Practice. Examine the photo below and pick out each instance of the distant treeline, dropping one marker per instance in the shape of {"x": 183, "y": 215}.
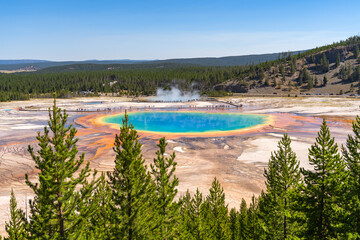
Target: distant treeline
{"x": 144, "y": 79}
{"x": 136, "y": 202}
{"x": 121, "y": 64}
{"x": 126, "y": 82}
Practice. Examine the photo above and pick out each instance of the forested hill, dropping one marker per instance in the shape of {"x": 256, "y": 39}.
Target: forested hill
{"x": 229, "y": 61}
{"x": 111, "y": 67}
{"x": 331, "y": 69}
{"x": 73, "y": 65}
{"x": 41, "y": 64}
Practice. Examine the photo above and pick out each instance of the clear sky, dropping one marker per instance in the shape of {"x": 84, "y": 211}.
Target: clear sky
{"x": 156, "y": 29}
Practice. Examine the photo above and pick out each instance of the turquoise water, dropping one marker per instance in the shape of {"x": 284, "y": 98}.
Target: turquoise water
{"x": 92, "y": 103}
{"x": 188, "y": 122}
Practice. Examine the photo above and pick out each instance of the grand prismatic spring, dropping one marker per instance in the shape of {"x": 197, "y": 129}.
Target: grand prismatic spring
{"x": 188, "y": 122}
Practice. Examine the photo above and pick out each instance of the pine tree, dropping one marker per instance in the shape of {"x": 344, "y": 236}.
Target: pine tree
{"x": 186, "y": 222}
{"x": 357, "y": 74}
{"x": 324, "y": 63}
{"x": 325, "y": 80}
{"x": 282, "y": 70}
{"x": 97, "y": 225}
{"x": 54, "y": 210}
{"x": 337, "y": 60}
{"x": 352, "y": 157}
{"x": 310, "y": 84}
{"x": 356, "y": 51}
{"x": 234, "y": 224}
{"x": 16, "y": 227}
{"x": 189, "y": 226}
{"x": 292, "y": 68}
{"x": 243, "y": 221}
{"x": 166, "y": 182}
{"x": 129, "y": 183}
{"x": 261, "y": 74}
{"x": 282, "y": 179}
{"x": 304, "y": 76}
{"x": 255, "y": 230}
{"x": 214, "y": 214}
{"x": 323, "y": 187}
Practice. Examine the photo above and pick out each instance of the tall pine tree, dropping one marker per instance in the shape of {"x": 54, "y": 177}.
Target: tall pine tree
{"x": 215, "y": 222}
{"x": 352, "y": 157}
{"x": 243, "y": 221}
{"x": 234, "y": 224}
{"x": 93, "y": 226}
{"x": 55, "y": 208}
{"x": 166, "y": 182}
{"x": 323, "y": 187}
{"x": 130, "y": 184}
{"x": 282, "y": 179}
{"x": 255, "y": 231}
{"x": 16, "y": 227}
{"x": 189, "y": 224}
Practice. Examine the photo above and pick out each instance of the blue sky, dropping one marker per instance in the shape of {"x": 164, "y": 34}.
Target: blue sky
{"x": 154, "y": 29}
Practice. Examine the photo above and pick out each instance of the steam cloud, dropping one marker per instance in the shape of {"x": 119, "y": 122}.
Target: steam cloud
{"x": 175, "y": 95}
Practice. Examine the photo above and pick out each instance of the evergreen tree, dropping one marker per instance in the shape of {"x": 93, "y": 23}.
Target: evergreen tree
{"x": 357, "y": 74}
{"x": 166, "y": 182}
{"x": 16, "y": 227}
{"x": 234, "y": 224}
{"x": 189, "y": 226}
{"x": 337, "y": 60}
{"x": 261, "y": 74}
{"x": 255, "y": 229}
{"x": 304, "y": 76}
{"x": 129, "y": 183}
{"x": 98, "y": 223}
{"x": 352, "y": 157}
{"x": 356, "y": 51}
{"x": 310, "y": 84}
{"x": 316, "y": 82}
{"x": 282, "y": 179}
{"x": 325, "y": 81}
{"x": 282, "y": 70}
{"x": 243, "y": 221}
{"x": 56, "y": 204}
{"x": 214, "y": 214}
{"x": 292, "y": 68}
{"x": 324, "y": 63}
{"x": 323, "y": 187}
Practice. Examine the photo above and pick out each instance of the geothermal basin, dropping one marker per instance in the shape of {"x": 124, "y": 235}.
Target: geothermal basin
{"x": 209, "y": 139}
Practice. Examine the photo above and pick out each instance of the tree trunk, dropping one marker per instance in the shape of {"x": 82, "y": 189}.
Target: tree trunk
{"x": 285, "y": 222}
{"x": 61, "y": 222}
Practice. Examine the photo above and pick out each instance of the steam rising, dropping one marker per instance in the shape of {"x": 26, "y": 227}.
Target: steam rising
{"x": 175, "y": 95}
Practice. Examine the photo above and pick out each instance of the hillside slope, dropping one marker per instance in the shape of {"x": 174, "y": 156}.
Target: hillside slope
{"x": 332, "y": 70}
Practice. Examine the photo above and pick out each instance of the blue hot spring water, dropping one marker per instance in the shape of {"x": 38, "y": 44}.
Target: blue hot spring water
{"x": 188, "y": 122}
